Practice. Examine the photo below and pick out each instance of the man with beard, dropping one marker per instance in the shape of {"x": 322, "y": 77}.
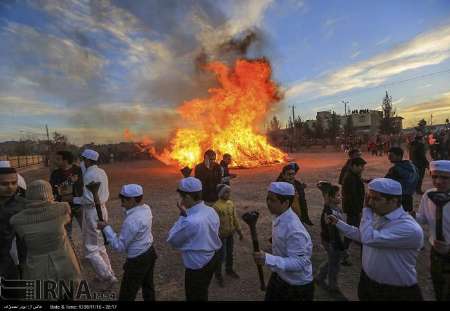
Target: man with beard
{"x": 434, "y": 211}
{"x": 299, "y": 204}
{"x": 10, "y": 204}
{"x": 417, "y": 154}
{"x": 391, "y": 240}
{"x": 210, "y": 174}
{"x": 406, "y": 174}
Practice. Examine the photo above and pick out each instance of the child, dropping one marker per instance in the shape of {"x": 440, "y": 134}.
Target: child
{"x": 331, "y": 239}
{"x": 229, "y": 224}
{"x": 136, "y": 240}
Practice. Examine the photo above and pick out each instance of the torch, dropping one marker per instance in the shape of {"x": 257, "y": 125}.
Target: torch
{"x": 250, "y": 218}
{"x": 93, "y": 188}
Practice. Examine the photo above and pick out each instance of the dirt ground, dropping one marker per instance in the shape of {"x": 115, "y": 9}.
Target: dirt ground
{"x": 248, "y": 190}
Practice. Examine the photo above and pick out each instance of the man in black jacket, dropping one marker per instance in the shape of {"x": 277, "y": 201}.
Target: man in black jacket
{"x": 405, "y": 172}
{"x": 210, "y": 174}
{"x": 353, "y": 154}
{"x": 67, "y": 184}
{"x": 417, "y": 154}
{"x": 10, "y": 204}
{"x": 353, "y": 194}
{"x": 299, "y": 205}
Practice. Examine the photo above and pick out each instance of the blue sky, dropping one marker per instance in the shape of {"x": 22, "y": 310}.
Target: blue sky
{"x": 90, "y": 69}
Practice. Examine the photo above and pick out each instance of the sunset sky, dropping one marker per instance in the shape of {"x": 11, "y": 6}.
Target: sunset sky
{"x": 90, "y": 69}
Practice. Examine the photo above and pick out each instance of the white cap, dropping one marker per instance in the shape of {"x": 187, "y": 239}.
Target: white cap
{"x": 5, "y": 164}
{"x": 132, "y": 191}
{"x": 90, "y": 154}
{"x": 441, "y": 166}
{"x": 190, "y": 184}
{"x": 21, "y": 182}
{"x": 282, "y": 188}
{"x": 386, "y": 186}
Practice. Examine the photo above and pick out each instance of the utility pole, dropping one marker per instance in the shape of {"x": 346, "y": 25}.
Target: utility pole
{"x": 345, "y": 102}
{"x": 293, "y": 128}
{"x": 48, "y": 147}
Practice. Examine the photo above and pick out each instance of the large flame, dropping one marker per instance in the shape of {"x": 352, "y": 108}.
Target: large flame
{"x": 227, "y": 121}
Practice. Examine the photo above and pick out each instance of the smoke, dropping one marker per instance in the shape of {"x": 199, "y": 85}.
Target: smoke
{"x": 92, "y": 55}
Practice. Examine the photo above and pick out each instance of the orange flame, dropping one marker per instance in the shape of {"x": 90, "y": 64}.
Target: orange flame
{"x": 227, "y": 120}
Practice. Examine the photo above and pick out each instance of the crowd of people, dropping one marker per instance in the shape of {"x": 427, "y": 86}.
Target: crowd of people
{"x": 377, "y": 215}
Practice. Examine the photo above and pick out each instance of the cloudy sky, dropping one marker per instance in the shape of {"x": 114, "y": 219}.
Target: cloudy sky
{"x": 90, "y": 69}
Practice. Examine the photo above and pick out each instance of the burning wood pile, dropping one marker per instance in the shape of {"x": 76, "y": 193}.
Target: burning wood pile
{"x": 227, "y": 120}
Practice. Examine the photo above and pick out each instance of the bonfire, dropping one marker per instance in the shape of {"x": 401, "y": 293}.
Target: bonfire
{"x": 228, "y": 120}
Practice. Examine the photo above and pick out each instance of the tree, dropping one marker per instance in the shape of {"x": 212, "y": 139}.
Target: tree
{"x": 275, "y": 124}
{"x": 318, "y": 130}
{"x": 308, "y": 132}
{"x": 386, "y": 124}
{"x": 60, "y": 139}
{"x": 333, "y": 127}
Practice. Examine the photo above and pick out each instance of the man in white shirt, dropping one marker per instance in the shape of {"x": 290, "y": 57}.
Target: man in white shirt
{"x": 434, "y": 211}
{"x": 136, "y": 240}
{"x": 290, "y": 261}
{"x": 94, "y": 246}
{"x": 196, "y": 235}
{"x": 391, "y": 240}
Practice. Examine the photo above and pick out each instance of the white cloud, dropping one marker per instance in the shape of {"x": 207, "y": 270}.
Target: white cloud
{"x": 13, "y": 106}
{"x": 355, "y": 54}
{"x": 426, "y": 49}
{"x": 329, "y": 26}
{"x": 383, "y": 41}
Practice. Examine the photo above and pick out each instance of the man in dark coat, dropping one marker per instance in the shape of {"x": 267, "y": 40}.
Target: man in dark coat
{"x": 353, "y": 154}
{"x": 299, "y": 205}
{"x": 226, "y": 175}
{"x": 353, "y": 194}
{"x": 417, "y": 154}
{"x": 210, "y": 174}
{"x": 405, "y": 172}
{"x": 10, "y": 204}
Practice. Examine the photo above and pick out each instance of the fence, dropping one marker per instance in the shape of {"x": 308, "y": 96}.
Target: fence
{"x": 23, "y": 161}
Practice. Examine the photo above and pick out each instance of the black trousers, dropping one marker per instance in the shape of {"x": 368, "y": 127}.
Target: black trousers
{"x": 440, "y": 275}
{"x": 226, "y": 255}
{"x": 421, "y": 171}
{"x": 407, "y": 202}
{"x": 196, "y": 282}
{"x": 138, "y": 273}
{"x": 369, "y": 290}
{"x": 353, "y": 220}
{"x": 279, "y": 290}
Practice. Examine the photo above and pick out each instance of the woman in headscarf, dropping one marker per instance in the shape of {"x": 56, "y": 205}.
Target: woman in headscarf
{"x": 40, "y": 229}
{"x": 299, "y": 205}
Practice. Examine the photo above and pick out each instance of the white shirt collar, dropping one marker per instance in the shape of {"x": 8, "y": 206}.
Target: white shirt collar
{"x": 131, "y": 210}
{"x": 282, "y": 216}
{"x": 194, "y": 209}
{"x": 395, "y": 214}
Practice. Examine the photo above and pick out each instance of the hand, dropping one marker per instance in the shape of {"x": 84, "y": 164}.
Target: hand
{"x": 101, "y": 225}
{"x": 241, "y": 236}
{"x": 260, "y": 258}
{"x": 331, "y": 220}
{"x": 182, "y": 209}
{"x": 441, "y": 247}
